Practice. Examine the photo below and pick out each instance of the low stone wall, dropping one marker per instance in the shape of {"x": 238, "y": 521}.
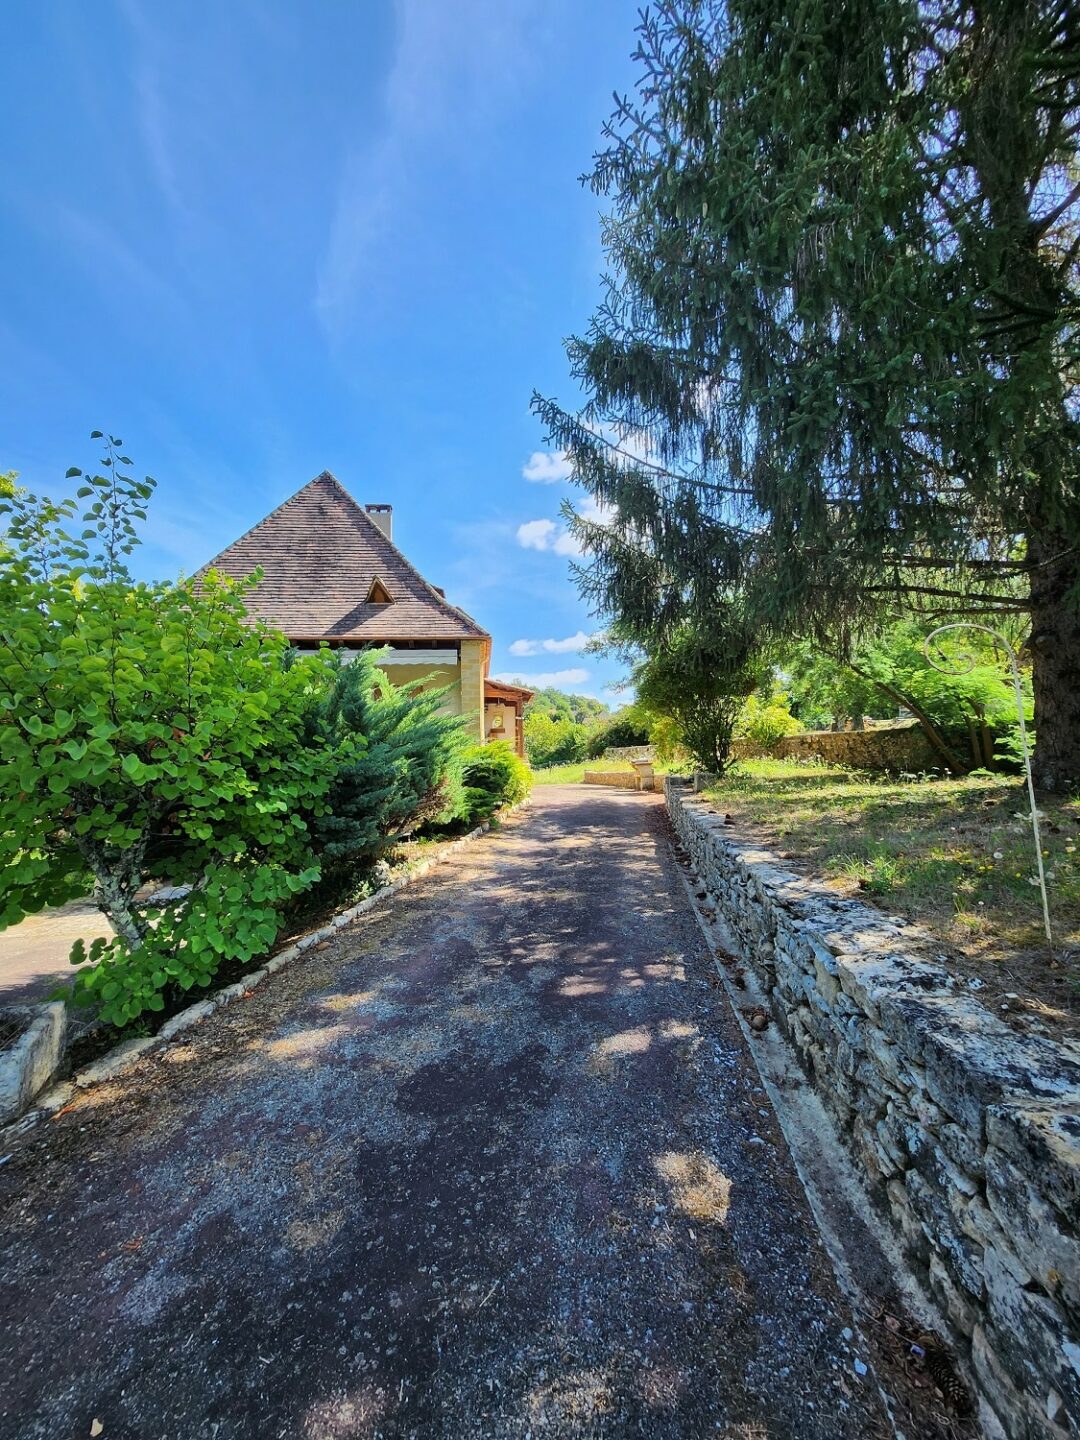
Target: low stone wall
{"x": 626, "y": 779}
{"x": 966, "y": 1132}
{"x": 898, "y": 748}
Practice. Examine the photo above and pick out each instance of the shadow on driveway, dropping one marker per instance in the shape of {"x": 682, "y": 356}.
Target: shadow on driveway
{"x": 493, "y": 1162}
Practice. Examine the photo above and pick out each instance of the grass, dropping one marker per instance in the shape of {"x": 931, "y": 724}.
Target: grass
{"x": 573, "y": 774}
{"x": 954, "y": 855}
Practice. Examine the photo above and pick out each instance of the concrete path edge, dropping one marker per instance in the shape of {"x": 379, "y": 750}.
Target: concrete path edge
{"x": 125, "y": 1054}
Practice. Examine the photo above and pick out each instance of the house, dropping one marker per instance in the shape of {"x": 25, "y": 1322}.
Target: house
{"x": 332, "y": 574}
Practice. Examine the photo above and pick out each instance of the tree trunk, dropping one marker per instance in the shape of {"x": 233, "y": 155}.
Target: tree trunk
{"x": 1055, "y": 654}
{"x": 114, "y": 891}
{"x": 989, "y": 759}
{"x": 978, "y": 753}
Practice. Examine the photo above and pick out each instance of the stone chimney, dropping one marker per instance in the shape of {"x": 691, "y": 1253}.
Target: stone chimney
{"x": 383, "y": 516}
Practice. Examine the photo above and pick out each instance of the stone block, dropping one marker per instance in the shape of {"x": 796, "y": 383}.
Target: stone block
{"x": 185, "y": 1020}
{"x": 56, "y": 1097}
{"x": 959, "y": 1307}
{"x": 867, "y": 1150}
{"x": 28, "y": 1065}
{"x": 874, "y": 976}
{"x": 1043, "y": 1140}
{"x": 972, "y": 1060}
{"x": 1034, "y": 1230}
{"x": 908, "y": 1225}
{"x": 282, "y": 958}
{"x": 961, "y": 1149}
{"x": 890, "y": 1146}
{"x": 1031, "y": 1337}
{"x": 1020, "y": 1416}
{"x": 227, "y": 994}
{"x": 115, "y": 1061}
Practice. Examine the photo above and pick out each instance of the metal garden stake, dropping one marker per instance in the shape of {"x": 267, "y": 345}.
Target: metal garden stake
{"x": 966, "y": 664}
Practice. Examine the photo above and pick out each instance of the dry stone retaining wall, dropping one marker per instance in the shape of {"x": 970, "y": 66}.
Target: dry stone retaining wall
{"x": 966, "y": 1132}
{"x": 897, "y": 748}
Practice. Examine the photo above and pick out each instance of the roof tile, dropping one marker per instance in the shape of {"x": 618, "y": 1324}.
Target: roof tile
{"x": 320, "y": 554}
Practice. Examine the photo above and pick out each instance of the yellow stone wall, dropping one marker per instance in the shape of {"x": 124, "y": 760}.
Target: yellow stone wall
{"x": 466, "y": 682}
{"x": 434, "y": 680}
{"x": 472, "y": 684}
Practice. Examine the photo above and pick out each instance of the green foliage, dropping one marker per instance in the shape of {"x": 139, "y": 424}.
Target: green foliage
{"x": 765, "y": 719}
{"x": 666, "y": 739}
{"x": 558, "y": 705}
{"x": 701, "y": 684}
{"x": 628, "y": 726}
{"x": 554, "y": 740}
{"x": 976, "y": 683}
{"x": 494, "y": 776}
{"x": 146, "y": 730}
{"x": 835, "y": 370}
{"x": 398, "y": 764}
{"x": 825, "y": 692}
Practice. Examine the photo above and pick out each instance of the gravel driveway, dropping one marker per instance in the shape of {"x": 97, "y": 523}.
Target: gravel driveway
{"x": 492, "y": 1162}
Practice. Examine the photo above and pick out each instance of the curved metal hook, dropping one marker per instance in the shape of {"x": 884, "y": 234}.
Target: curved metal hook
{"x": 967, "y": 664}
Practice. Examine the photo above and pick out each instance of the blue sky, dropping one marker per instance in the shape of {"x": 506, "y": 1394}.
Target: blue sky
{"x": 262, "y": 239}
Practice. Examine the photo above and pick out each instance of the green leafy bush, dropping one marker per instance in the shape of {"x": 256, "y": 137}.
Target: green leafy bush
{"x": 766, "y": 719}
{"x": 550, "y": 741}
{"x": 627, "y": 727}
{"x": 494, "y": 776}
{"x": 146, "y": 730}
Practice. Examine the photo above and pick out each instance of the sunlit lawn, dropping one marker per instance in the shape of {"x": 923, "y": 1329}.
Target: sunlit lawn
{"x": 956, "y": 855}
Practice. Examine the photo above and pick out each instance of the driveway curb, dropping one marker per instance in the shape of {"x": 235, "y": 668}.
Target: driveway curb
{"x": 123, "y": 1056}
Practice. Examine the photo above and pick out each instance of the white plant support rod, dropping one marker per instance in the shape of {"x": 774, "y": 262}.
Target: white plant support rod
{"x": 966, "y": 665}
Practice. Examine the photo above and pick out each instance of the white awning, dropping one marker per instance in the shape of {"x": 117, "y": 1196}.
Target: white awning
{"x": 430, "y": 658}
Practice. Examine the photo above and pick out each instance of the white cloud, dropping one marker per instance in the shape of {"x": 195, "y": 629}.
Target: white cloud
{"x": 545, "y": 678}
{"x": 547, "y": 467}
{"x": 550, "y": 535}
{"x": 547, "y": 535}
{"x": 537, "y": 534}
{"x": 570, "y": 645}
{"x": 596, "y": 510}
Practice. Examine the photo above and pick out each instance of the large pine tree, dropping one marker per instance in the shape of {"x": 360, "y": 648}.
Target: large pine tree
{"x": 835, "y": 369}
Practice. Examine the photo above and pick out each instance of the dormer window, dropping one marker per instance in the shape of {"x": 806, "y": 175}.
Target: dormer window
{"x": 378, "y": 594}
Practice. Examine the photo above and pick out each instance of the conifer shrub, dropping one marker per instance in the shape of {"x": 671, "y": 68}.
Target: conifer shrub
{"x": 397, "y": 763}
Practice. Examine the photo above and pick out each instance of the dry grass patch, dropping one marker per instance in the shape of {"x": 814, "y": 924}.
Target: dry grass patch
{"x": 954, "y": 855}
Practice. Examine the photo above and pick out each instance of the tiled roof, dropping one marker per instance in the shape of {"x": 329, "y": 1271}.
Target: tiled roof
{"x": 320, "y": 554}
